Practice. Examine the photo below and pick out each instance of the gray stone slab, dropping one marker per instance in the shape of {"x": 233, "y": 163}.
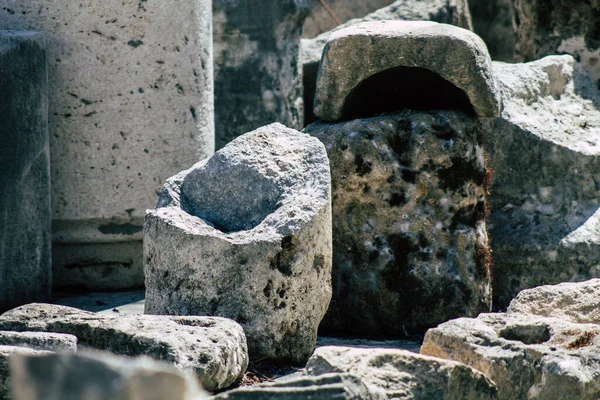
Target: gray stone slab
{"x": 39, "y": 341}
{"x": 6, "y": 352}
{"x": 213, "y": 348}
{"x": 25, "y": 266}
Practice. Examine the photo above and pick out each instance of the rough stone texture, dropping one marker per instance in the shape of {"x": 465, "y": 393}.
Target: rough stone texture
{"x": 574, "y": 302}
{"x": 454, "y": 12}
{"x": 320, "y": 20}
{"x": 409, "y": 241}
{"x": 527, "y": 357}
{"x": 39, "y": 340}
{"x": 324, "y": 387}
{"x": 559, "y": 26}
{"x": 214, "y": 348}
{"x": 494, "y": 23}
{"x": 246, "y": 235}
{"x": 358, "y": 75}
{"x": 6, "y": 352}
{"x": 99, "y": 376}
{"x": 258, "y": 74}
{"x": 544, "y": 150}
{"x": 399, "y": 374}
{"x": 25, "y": 266}
{"x": 131, "y": 103}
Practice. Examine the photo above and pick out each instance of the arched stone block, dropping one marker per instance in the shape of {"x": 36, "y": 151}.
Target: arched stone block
{"x": 246, "y": 234}
{"x": 361, "y": 51}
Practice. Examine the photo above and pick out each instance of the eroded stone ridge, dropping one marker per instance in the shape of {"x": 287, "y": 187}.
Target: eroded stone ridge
{"x": 383, "y": 66}
{"x": 410, "y": 247}
{"x": 526, "y": 356}
{"x": 400, "y": 374}
{"x": 213, "y": 348}
{"x": 246, "y": 234}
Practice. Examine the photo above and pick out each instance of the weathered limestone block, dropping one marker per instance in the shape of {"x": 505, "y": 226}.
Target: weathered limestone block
{"x": 410, "y": 247}
{"x": 131, "y": 102}
{"x": 383, "y": 66}
{"x": 574, "y": 302}
{"x": 6, "y": 352}
{"x": 99, "y": 376}
{"x": 258, "y": 74}
{"x": 246, "y": 235}
{"x": 39, "y": 340}
{"x": 25, "y": 266}
{"x": 559, "y": 26}
{"x": 334, "y": 386}
{"x": 453, "y": 12}
{"x": 493, "y": 21}
{"x": 213, "y": 348}
{"x": 526, "y": 356}
{"x": 544, "y": 150}
{"x": 399, "y": 374}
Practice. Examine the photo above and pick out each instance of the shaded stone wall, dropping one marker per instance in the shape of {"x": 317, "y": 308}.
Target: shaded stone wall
{"x": 25, "y": 272}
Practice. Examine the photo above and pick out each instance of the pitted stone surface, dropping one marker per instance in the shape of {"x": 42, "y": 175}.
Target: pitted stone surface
{"x": 246, "y": 235}
{"x": 258, "y": 74}
{"x": 39, "y": 340}
{"x": 399, "y": 374}
{"x": 544, "y": 198}
{"x": 6, "y": 353}
{"x": 410, "y": 247}
{"x": 453, "y": 12}
{"x": 457, "y": 56}
{"x": 25, "y": 265}
{"x": 99, "y": 376}
{"x": 575, "y": 302}
{"x": 213, "y": 348}
{"x": 526, "y": 356}
{"x": 130, "y": 103}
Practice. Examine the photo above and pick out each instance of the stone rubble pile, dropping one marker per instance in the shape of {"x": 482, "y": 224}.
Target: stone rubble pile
{"x": 371, "y": 223}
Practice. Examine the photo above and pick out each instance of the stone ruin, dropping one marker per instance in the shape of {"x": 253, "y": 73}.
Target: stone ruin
{"x": 433, "y": 187}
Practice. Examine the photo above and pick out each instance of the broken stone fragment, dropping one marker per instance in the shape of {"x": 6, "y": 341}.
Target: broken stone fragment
{"x": 543, "y": 151}
{"x": 526, "y": 356}
{"x": 98, "y": 376}
{"x": 213, "y": 348}
{"x": 400, "y": 374}
{"x": 39, "y": 340}
{"x": 6, "y": 353}
{"x": 410, "y": 248}
{"x": 334, "y": 386}
{"x": 575, "y": 302}
{"x": 258, "y": 74}
{"x": 376, "y": 67}
{"x": 453, "y": 12}
{"x": 25, "y": 214}
{"x": 246, "y": 234}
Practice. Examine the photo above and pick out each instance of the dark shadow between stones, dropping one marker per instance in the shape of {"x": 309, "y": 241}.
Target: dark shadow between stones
{"x": 404, "y": 87}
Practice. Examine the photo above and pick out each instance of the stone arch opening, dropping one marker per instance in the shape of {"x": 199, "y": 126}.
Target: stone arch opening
{"x": 398, "y": 88}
